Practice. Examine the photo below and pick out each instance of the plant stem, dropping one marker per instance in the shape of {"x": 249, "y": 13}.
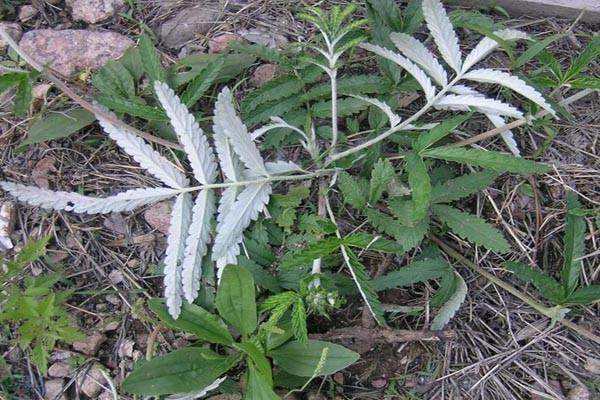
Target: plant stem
{"x": 259, "y": 181}
{"x": 546, "y": 311}
{"x": 396, "y": 128}
{"x": 334, "y": 112}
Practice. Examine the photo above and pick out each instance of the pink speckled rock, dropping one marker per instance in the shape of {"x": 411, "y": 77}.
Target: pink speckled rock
{"x": 68, "y": 51}
{"x": 92, "y": 11}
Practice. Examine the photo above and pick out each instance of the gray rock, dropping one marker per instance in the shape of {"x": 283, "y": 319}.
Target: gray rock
{"x": 90, "y": 345}
{"x": 186, "y": 24}
{"x": 27, "y": 12}
{"x": 260, "y": 36}
{"x": 92, "y": 381}
{"x": 92, "y": 11}
{"x": 68, "y": 51}
{"x": 13, "y": 29}
{"x": 53, "y": 389}
{"x": 59, "y": 370}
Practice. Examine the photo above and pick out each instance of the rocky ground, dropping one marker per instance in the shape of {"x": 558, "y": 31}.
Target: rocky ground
{"x": 500, "y": 344}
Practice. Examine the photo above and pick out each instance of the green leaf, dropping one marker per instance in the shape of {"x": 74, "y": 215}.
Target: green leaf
{"x": 134, "y": 107}
{"x": 546, "y": 285}
{"x": 426, "y": 139}
{"x": 299, "y": 321}
{"x": 23, "y": 96}
{"x": 258, "y": 387}
{"x": 585, "y": 295}
{"x": 364, "y": 285}
{"x": 181, "y": 371}
{"x": 353, "y": 190}
{"x": 574, "y": 243}
{"x": 534, "y": 49}
{"x": 58, "y": 125}
{"x": 583, "y": 61}
{"x": 151, "y": 60}
{"x": 487, "y": 159}
{"x": 407, "y": 236}
{"x": 463, "y": 186}
{"x": 200, "y": 84}
{"x": 472, "y": 228}
{"x": 420, "y": 185}
{"x": 346, "y": 107}
{"x": 10, "y": 79}
{"x": 32, "y": 251}
{"x": 193, "y": 319}
{"x": 302, "y": 359}
{"x": 236, "y": 299}
{"x": 585, "y": 82}
{"x": 366, "y": 241}
{"x": 450, "y": 308}
{"x": 381, "y": 175}
{"x": 258, "y": 359}
{"x": 113, "y": 79}
{"x": 319, "y": 249}
{"x": 417, "y": 271}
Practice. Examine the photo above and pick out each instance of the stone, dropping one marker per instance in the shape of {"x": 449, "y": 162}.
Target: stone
{"x": 53, "y": 390}
{"x": 188, "y": 23}
{"x": 126, "y": 348}
{"x": 579, "y": 393}
{"x": 158, "y": 216}
{"x": 220, "y": 43}
{"x": 59, "y": 370}
{"x": 264, "y": 37}
{"x": 27, "y": 12}
{"x": 13, "y": 29}
{"x": 92, "y": 11}
{"x": 92, "y": 381}
{"x": 90, "y": 345}
{"x": 70, "y": 50}
{"x": 263, "y": 74}
{"x": 115, "y": 277}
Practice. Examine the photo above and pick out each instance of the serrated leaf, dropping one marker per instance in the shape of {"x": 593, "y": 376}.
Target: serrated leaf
{"x": 426, "y": 139}
{"x": 382, "y": 174}
{"x": 178, "y": 229}
{"x": 151, "y": 61}
{"x": 200, "y": 84}
{"x": 232, "y": 126}
{"x": 450, "y": 308}
{"x": 546, "y": 285}
{"x": 196, "y": 243}
{"x": 506, "y": 135}
{"x": 113, "y": 79}
{"x": 511, "y": 82}
{"x": 23, "y": 97}
{"x": 463, "y": 186}
{"x": 393, "y": 118}
{"x": 417, "y": 271}
{"x": 134, "y": 107}
{"x": 585, "y": 295}
{"x": 302, "y": 257}
{"x": 472, "y": 228}
{"x": 487, "y": 159}
{"x": 236, "y": 299}
{"x": 488, "y": 45}
{"x": 353, "y": 192}
{"x": 180, "y": 371}
{"x": 70, "y": 201}
{"x": 143, "y": 153}
{"x": 249, "y": 203}
{"x": 420, "y": 185}
{"x": 574, "y": 246}
{"x": 534, "y": 49}
{"x": 415, "y": 51}
{"x": 482, "y": 104}
{"x": 366, "y": 241}
{"x": 195, "y": 320}
{"x": 411, "y": 68}
{"x": 443, "y": 33}
{"x": 189, "y": 133}
{"x": 407, "y": 236}
{"x": 583, "y": 60}
{"x": 299, "y": 321}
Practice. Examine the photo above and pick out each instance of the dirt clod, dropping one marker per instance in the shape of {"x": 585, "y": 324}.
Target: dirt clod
{"x": 90, "y": 345}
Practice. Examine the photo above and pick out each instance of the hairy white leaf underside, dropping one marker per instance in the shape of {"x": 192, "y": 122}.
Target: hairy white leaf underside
{"x": 383, "y": 106}
{"x": 443, "y": 33}
{"x": 488, "y": 45}
{"x": 418, "y": 53}
{"x": 483, "y": 104}
{"x": 449, "y": 309}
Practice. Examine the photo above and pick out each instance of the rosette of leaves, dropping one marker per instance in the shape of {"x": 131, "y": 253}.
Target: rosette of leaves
{"x": 192, "y": 371}
{"x": 247, "y": 188}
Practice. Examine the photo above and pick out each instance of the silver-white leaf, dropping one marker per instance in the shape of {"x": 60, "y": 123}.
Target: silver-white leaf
{"x": 417, "y": 73}
{"x": 180, "y": 221}
{"x": 6, "y": 211}
{"x": 227, "y": 122}
{"x": 189, "y": 133}
{"x": 449, "y": 309}
{"x": 383, "y": 106}
{"x": 482, "y": 104}
{"x": 443, "y": 33}
{"x": 416, "y": 51}
{"x": 70, "y": 201}
{"x": 488, "y": 45}
{"x": 507, "y": 136}
{"x": 512, "y": 82}
{"x": 281, "y": 167}
{"x": 249, "y": 203}
{"x": 196, "y": 243}
{"x": 143, "y": 153}
{"x": 198, "y": 393}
